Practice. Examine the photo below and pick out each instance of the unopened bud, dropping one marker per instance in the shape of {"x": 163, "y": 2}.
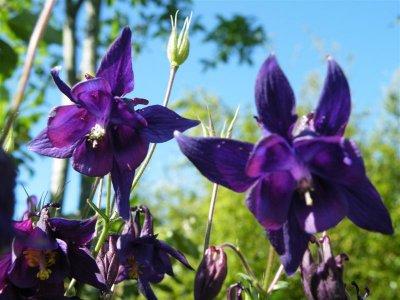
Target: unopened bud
{"x": 235, "y": 292}
{"x": 178, "y": 46}
{"x": 211, "y": 274}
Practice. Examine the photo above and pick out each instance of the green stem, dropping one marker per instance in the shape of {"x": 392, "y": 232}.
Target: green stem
{"x": 28, "y": 62}
{"x": 210, "y": 216}
{"x": 268, "y": 268}
{"x": 103, "y": 236}
{"x": 146, "y": 161}
{"x": 275, "y": 280}
{"x": 108, "y": 202}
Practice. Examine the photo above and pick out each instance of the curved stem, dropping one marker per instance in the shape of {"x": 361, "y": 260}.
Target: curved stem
{"x": 146, "y": 161}
{"x": 275, "y": 280}
{"x": 268, "y": 268}
{"x": 210, "y": 216}
{"x": 30, "y": 56}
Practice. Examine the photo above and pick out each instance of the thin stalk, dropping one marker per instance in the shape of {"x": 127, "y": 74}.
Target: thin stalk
{"x": 108, "y": 202}
{"x": 210, "y": 216}
{"x": 103, "y": 236}
{"x": 85, "y": 211}
{"x": 146, "y": 161}
{"x": 268, "y": 268}
{"x": 245, "y": 264}
{"x": 30, "y": 56}
{"x": 275, "y": 280}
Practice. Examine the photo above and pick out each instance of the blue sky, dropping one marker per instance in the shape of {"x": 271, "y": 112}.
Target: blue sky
{"x": 361, "y": 35}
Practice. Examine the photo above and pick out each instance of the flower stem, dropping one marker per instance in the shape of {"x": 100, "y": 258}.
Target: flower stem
{"x": 103, "y": 236}
{"x": 268, "y": 268}
{"x": 210, "y": 216}
{"x": 275, "y": 280}
{"x": 146, "y": 161}
{"x": 30, "y": 56}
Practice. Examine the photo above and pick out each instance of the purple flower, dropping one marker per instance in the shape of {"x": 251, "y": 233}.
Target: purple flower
{"x": 324, "y": 279}
{"x": 211, "y": 274}
{"x": 305, "y": 177}
{"x": 101, "y": 130}
{"x": 108, "y": 262}
{"x": 235, "y": 292}
{"x": 7, "y": 200}
{"x": 142, "y": 256}
{"x": 45, "y": 253}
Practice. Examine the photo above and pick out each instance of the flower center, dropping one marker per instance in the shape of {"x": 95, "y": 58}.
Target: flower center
{"x": 96, "y": 134}
{"x": 305, "y": 123}
{"x": 42, "y": 259}
{"x": 133, "y": 268}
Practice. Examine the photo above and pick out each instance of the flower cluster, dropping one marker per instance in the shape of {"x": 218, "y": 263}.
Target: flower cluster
{"x": 304, "y": 176}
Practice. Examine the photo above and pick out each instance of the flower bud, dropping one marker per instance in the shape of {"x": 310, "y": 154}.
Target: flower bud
{"x": 107, "y": 261}
{"x": 323, "y": 280}
{"x": 235, "y": 292}
{"x": 211, "y": 274}
{"x": 178, "y": 46}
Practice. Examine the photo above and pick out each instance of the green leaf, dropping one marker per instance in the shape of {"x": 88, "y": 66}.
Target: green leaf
{"x": 8, "y": 58}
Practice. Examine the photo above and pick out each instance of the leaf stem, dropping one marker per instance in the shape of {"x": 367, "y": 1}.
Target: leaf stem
{"x": 146, "y": 161}
{"x": 268, "y": 268}
{"x": 30, "y": 56}
{"x": 210, "y": 216}
{"x": 275, "y": 280}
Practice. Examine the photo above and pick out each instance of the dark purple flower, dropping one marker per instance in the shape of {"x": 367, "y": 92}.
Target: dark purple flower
{"x": 108, "y": 262}
{"x": 323, "y": 279}
{"x": 7, "y": 200}
{"x": 101, "y": 130}
{"x": 305, "y": 177}
{"x": 142, "y": 256}
{"x": 211, "y": 274}
{"x": 46, "y": 252}
{"x": 235, "y": 292}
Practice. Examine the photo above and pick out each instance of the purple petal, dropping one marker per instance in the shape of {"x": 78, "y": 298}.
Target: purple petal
{"x": 84, "y": 267}
{"x": 147, "y": 228}
{"x": 129, "y": 148}
{"x": 21, "y": 275}
{"x": 91, "y": 161}
{"x": 270, "y": 154}
{"x": 274, "y": 99}
{"x": 366, "y": 208}
{"x": 162, "y": 122}
{"x": 62, "y": 86}
{"x": 123, "y": 114}
{"x": 79, "y": 232}
{"x": 42, "y": 145}
{"x": 122, "y": 181}
{"x": 333, "y": 158}
{"x": 5, "y": 263}
{"x": 334, "y": 106}
{"x": 290, "y": 242}
{"x": 222, "y": 161}
{"x": 270, "y": 199}
{"x": 145, "y": 289}
{"x": 327, "y": 209}
{"x": 116, "y": 65}
{"x": 67, "y": 125}
{"x": 174, "y": 253}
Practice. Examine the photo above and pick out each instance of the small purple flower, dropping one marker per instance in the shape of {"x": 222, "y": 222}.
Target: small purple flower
{"x": 211, "y": 274}
{"x": 108, "y": 261}
{"x": 235, "y": 292}
{"x": 142, "y": 256}
{"x": 323, "y": 279}
{"x": 7, "y": 200}
{"x": 305, "y": 177}
{"x": 101, "y": 130}
{"x": 46, "y": 252}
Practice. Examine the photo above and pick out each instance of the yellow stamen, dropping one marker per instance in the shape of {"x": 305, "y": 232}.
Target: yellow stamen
{"x": 134, "y": 270}
{"x": 42, "y": 259}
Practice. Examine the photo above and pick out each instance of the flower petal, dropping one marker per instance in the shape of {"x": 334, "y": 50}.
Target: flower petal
{"x": 84, "y": 267}
{"x": 366, "y": 208}
{"x": 62, "y": 86}
{"x": 270, "y": 154}
{"x": 91, "y": 161}
{"x": 122, "y": 181}
{"x": 67, "y": 125}
{"x": 5, "y": 263}
{"x": 290, "y": 242}
{"x": 145, "y": 289}
{"x": 79, "y": 232}
{"x": 94, "y": 95}
{"x": 270, "y": 199}
{"x": 162, "y": 122}
{"x": 275, "y": 99}
{"x": 116, "y": 65}
{"x": 21, "y": 275}
{"x": 174, "y": 253}
{"x": 333, "y": 158}
{"x": 42, "y": 145}
{"x": 333, "y": 111}
{"x": 328, "y": 207}
{"x": 147, "y": 228}
{"x": 124, "y": 114}
{"x": 222, "y": 161}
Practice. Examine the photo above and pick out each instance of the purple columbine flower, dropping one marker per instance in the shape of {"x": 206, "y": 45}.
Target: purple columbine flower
{"x": 211, "y": 274}
{"x": 142, "y": 256}
{"x": 46, "y": 252}
{"x": 7, "y": 200}
{"x": 108, "y": 261}
{"x": 323, "y": 279}
{"x": 305, "y": 177}
{"x": 101, "y": 130}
